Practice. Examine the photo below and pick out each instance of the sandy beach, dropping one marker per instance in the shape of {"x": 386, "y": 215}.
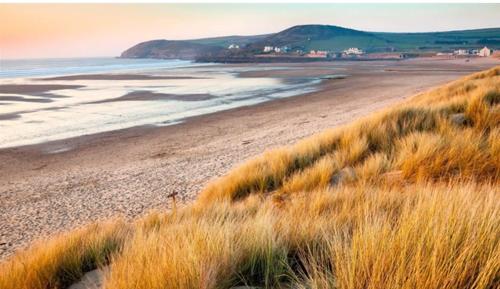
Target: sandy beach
{"x": 51, "y": 187}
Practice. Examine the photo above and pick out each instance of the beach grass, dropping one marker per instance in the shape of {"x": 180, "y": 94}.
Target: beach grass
{"x": 60, "y": 261}
{"x": 405, "y": 198}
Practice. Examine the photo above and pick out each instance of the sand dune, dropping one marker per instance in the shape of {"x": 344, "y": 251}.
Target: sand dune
{"x": 56, "y": 186}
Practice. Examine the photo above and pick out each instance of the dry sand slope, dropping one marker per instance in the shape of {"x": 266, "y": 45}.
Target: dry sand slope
{"x": 131, "y": 171}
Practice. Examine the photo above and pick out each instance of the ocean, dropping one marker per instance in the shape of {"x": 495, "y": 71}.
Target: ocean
{"x": 11, "y": 68}
{"x": 43, "y": 100}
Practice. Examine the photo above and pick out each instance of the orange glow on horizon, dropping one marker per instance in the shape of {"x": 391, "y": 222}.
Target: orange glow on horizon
{"x": 55, "y": 29}
{"x": 86, "y": 30}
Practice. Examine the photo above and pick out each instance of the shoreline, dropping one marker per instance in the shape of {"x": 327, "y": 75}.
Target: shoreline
{"x": 157, "y": 102}
{"x": 45, "y": 188}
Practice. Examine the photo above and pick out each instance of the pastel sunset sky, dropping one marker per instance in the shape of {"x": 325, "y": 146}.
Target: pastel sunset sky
{"x": 88, "y": 30}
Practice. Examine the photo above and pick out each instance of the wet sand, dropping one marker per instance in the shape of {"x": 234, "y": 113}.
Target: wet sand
{"x": 24, "y": 99}
{"x": 7, "y": 116}
{"x": 56, "y": 186}
{"x": 34, "y": 89}
{"x": 151, "y": 96}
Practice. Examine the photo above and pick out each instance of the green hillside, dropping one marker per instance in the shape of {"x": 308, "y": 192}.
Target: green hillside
{"x": 225, "y": 41}
{"x": 314, "y": 37}
{"x": 438, "y": 41}
{"x": 335, "y": 38}
{"x": 342, "y": 42}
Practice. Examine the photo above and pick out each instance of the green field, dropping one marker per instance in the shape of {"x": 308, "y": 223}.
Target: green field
{"x": 333, "y": 38}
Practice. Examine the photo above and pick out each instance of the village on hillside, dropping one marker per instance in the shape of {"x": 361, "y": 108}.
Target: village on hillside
{"x": 357, "y": 53}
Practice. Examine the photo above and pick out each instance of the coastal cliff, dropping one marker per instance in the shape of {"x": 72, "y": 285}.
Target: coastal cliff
{"x": 168, "y": 49}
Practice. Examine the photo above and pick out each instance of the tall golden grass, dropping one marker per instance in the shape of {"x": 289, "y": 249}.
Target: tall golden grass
{"x": 405, "y": 198}
{"x": 61, "y": 261}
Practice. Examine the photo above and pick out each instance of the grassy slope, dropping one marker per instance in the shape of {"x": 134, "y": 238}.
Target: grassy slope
{"x": 407, "y": 42}
{"x": 343, "y": 42}
{"x": 434, "y": 41}
{"x": 406, "y": 198}
{"x": 338, "y": 39}
{"x": 225, "y": 41}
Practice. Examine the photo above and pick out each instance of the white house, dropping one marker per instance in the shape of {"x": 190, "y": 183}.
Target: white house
{"x": 317, "y": 54}
{"x": 485, "y": 52}
{"x": 353, "y": 50}
{"x": 268, "y": 48}
{"x": 233, "y": 46}
{"x": 461, "y": 52}
{"x": 282, "y": 49}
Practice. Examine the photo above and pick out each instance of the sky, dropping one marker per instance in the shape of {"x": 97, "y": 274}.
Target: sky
{"x": 92, "y": 30}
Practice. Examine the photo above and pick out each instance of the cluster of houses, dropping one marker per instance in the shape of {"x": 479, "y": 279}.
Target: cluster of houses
{"x": 484, "y": 52}
{"x": 353, "y": 51}
{"x": 282, "y": 49}
{"x": 318, "y": 54}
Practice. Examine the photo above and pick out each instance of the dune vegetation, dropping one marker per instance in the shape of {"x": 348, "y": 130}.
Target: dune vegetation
{"x": 406, "y": 198}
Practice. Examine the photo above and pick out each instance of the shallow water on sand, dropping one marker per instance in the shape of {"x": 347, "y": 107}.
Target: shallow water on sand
{"x": 39, "y": 107}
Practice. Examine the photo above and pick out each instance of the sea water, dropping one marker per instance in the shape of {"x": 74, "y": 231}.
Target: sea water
{"x": 95, "y": 106}
{"x": 66, "y": 66}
